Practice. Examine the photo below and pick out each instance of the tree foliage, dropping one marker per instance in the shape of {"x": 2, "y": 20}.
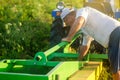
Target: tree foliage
{"x": 24, "y": 28}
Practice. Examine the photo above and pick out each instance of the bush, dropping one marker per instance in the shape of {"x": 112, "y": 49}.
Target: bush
{"x": 24, "y": 30}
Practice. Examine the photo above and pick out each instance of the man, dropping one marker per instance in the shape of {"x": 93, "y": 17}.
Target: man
{"x": 95, "y": 26}
{"x": 56, "y": 32}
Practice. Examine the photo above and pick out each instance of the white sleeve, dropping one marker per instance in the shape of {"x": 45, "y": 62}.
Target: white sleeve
{"x": 82, "y": 12}
{"x": 87, "y": 39}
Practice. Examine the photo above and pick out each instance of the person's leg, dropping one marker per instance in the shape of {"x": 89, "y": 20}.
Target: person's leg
{"x": 114, "y": 53}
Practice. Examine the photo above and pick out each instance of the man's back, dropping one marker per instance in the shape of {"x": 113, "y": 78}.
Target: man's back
{"x": 99, "y": 26}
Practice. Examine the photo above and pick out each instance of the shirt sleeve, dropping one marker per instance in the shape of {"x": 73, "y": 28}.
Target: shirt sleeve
{"x": 87, "y": 39}
{"x": 82, "y": 12}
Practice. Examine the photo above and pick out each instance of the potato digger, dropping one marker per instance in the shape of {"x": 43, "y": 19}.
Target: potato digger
{"x": 59, "y": 62}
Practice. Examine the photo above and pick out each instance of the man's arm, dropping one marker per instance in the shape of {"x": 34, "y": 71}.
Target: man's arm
{"x": 85, "y": 47}
{"x": 74, "y": 28}
{"x": 83, "y": 51}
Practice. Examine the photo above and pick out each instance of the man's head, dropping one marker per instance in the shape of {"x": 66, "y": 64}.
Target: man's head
{"x": 65, "y": 12}
{"x": 68, "y": 16}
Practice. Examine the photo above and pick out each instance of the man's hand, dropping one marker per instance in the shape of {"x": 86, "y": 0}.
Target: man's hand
{"x": 66, "y": 39}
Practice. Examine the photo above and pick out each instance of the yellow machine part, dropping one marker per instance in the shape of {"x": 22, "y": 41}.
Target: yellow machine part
{"x": 117, "y": 4}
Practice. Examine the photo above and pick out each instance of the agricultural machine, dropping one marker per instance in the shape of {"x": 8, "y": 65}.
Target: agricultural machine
{"x": 56, "y": 65}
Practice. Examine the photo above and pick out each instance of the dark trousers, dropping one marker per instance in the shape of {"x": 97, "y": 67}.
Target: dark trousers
{"x": 114, "y": 50}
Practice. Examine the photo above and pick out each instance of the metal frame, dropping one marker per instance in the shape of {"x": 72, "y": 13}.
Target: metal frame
{"x": 36, "y": 69}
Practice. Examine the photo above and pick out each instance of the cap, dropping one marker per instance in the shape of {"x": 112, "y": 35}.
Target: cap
{"x": 65, "y": 12}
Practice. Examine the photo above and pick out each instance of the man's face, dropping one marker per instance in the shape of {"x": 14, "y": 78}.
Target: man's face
{"x": 66, "y": 21}
{"x": 69, "y": 20}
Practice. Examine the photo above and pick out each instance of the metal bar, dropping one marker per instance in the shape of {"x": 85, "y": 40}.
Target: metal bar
{"x": 71, "y": 55}
{"x": 42, "y": 56}
{"x": 26, "y": 62}
{"x": 55, "y": 48}
{"x": 66, "y": 49}
{"x": 19, "y": 76}
{"x": 98, "y": 56}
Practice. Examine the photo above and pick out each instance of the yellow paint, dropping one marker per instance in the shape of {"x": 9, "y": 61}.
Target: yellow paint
{"x": 117, "y": 4}
{"x": 96, "y": 73}
{"x": 91, "y": 71}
